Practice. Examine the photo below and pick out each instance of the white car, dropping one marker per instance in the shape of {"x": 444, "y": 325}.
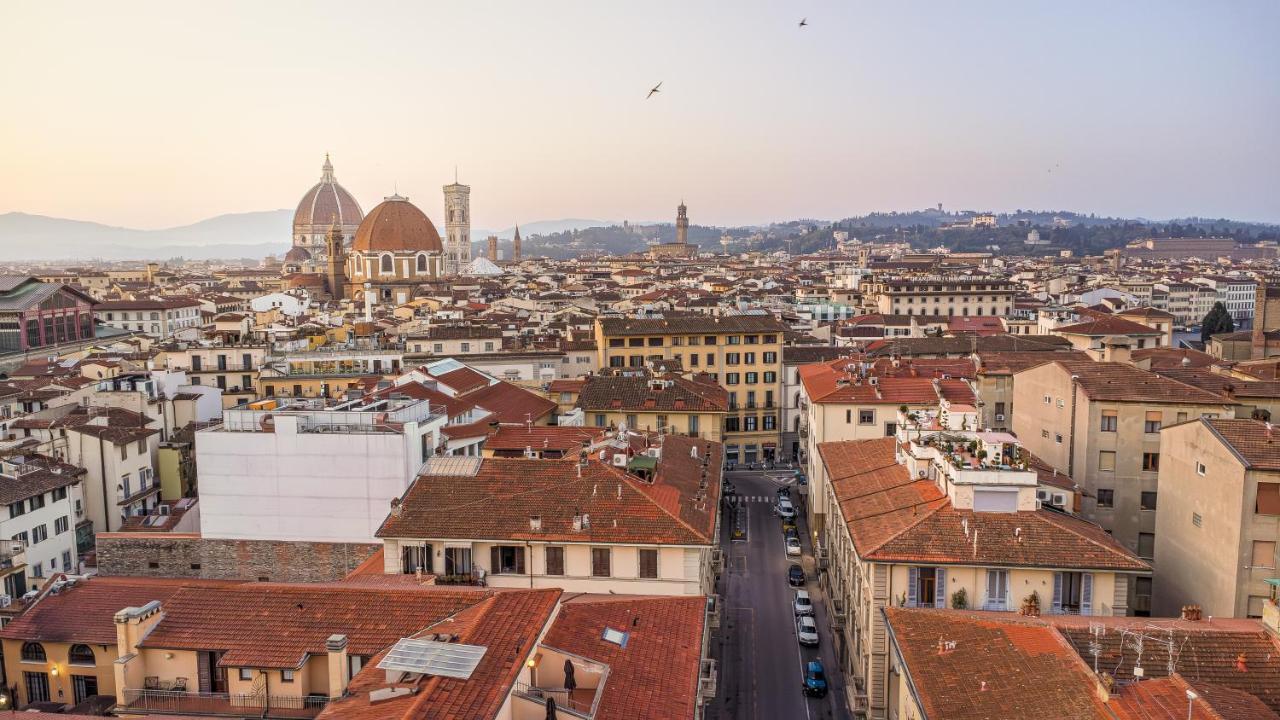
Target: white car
{"x": 803, "y": 605}
{"x": 793, "y": 546}
{"x": 807, "y": 631}
{"x": 786, "y": 510}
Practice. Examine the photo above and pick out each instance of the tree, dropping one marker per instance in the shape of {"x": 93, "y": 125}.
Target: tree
{"x": 1218, "y": 320}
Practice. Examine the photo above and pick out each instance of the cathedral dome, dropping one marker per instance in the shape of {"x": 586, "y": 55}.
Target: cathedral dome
{"x": 297, "y": 254}
{"x": 396, "y": 225}
{"x": 325, "y": 202}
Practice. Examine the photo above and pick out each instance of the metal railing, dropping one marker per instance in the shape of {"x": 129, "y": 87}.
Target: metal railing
{"x": 210, "y": 703}
{"x": 563, "y": 697}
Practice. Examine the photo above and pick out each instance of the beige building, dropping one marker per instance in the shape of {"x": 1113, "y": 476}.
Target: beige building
{"x": 943, "y": 295}
{"x": 741, "y": 352}
{"x": 1100, "y": 424}
{"x": 949, "y": 519}
{"x": 233, "y": 369}
{"x": 1219, "y": 519}
{"x": 669, "y": 404}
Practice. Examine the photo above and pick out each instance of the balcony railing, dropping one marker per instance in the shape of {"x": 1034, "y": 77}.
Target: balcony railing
{"x": 231, "y": 705}
{"x": 998, "y": 605}
{"x": 579, "y": 701}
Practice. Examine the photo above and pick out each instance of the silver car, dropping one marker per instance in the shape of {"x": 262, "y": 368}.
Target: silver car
{"x": 807, "y": 631}
{"x": 803, "y": 604}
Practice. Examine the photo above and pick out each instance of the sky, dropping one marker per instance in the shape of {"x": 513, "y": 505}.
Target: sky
{"x": 155, "y": 114}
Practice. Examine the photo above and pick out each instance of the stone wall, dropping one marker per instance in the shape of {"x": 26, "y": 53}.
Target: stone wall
{"x": 191, "y": 556}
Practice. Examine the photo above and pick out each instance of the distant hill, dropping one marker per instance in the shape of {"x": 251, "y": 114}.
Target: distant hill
{"x": 26, "y": 237}
{"x": 539, "y": 227}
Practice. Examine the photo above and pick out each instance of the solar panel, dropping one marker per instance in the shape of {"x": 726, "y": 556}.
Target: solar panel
{"x": 431, "y": 657}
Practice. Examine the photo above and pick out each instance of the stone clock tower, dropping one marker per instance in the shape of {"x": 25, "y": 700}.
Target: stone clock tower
{"x": 457, "y": 227}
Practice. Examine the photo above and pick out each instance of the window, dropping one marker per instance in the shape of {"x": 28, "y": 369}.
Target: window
{"x": 18, "y": 508}
{"x": 506, "y": 559}
{"x": 246, "y": 674}
{"x": 1268, "y": 502}
{"x": 1264, "y": 554}
{"x": 731, "y": 424}
{"x": 555, "y": 560}
{"x": 1196, "y": 519}
{"x": 731, "y": 378}
{"x": 770, "y": 339}
{"x": 601, "y": 565}
{"x": 37, "y": 501}
{"x": 752, "y": 378}
{"x": 751, "y": 339}
{"x": 1107, "y": 460}
{"x": 1044, "y": 434}
{"x": 848, "y": 417}
{"x": 1200, "y": 468}
{"x": 1000, "y": 408}
{"x": 1109, "y": 421}
{"x": 1148, "y": 500}
{"x": 749, "y": 423}
{"x": 771, "y": 357}
{"x": 1106, "y": 497}
{"x": 385, "y": 267}
{"x": 422, "y": 263}
{"x": 1048, "y": 400}
{"x": 997, "y": 590}
{"x": 890, "y": 429}
{"x": 1151, "y": 461}
{"x": 926, "y": 587}
{"x": 693, "y": 359}
{"x": 1154, "y": 420}
{"x": 709, "y": 340}
{"x": 770, "y": 422}
{"x": 648, "y": 563}
{"x": 614, "y": 343}
{"x": 749, "y": 358}
{"x": 39, "y": 534}
{"x": 711, "y": 359}
{"x": 287, "y": 675}
{"x": 866, "y": 417}
{"x": 770, "y": 376}
{"x": 1146, "y": 545}
{"x": 1057, "y": 437}
{"x": 59, "y": 494}
{"x": 1073, "y": 593}
{"x": 734, "y": 340}
{"x": 37, "y": 686}
{"x": 631, "y": 422}
{"x": 732, "y": 358}
{"x": 22, "y": 538}
{"x": 61, "y": 525}
{"x": 33, "y": 652}
{"x": 600, "y": 422}
{"x": 81, "y": 655}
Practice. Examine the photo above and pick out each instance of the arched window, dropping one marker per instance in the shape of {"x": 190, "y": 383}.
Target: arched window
{"x": 81, "y": 655}
{"x": 387, "y": 265}
{"x": 422, "y": 263}
{"x": 33, "y": 652}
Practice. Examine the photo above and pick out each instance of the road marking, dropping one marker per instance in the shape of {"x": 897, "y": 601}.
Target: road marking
{"x": 800, "y": 657}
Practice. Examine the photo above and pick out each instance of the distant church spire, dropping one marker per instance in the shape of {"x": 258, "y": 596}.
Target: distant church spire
{"x": 515, "y": 245}
{"x": 326, "y": 172}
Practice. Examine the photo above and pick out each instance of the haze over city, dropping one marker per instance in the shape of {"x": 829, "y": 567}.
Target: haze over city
{"x": 154, "y": 114}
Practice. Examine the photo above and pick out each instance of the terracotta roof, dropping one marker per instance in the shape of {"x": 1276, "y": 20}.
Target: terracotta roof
{"x": 1250, "y": 439}
{"x": 997, "y": 669}
{"x": 1164, "y": 357}
{"x": 1106, "y": 325}
{"x": 1166, "y": 699}
{"x": 1008, "y": 363}
{"x": 518, "y": 436}
{"x": 511, "y": 403}
{"x": 893, "y": 518}
{"x": 278, "y": 625}
{"x": 499, "y": 500}
{"x": 678, "y": 324}
{"x": 655, "y": 677}
{"x": 673, "y": 394}
{"x": 36, "y": 482}
{"x": 85, "y": 613}
{"x": 507, "y": 624}
{"x": 1121, "y": 382}
{"x": 911, "y": 383}
{"x": 463, "y": 380}
{"x": 396, "y": 225}
{"x": 1224, "y": 385}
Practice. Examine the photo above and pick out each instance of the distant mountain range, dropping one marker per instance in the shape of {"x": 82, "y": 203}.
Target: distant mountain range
{"x": 24, "y": 237}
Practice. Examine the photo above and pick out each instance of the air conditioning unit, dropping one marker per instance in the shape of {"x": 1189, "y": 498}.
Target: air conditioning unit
{"x": 1042, "y": 495}
{"x": 999, "y": 417}
{"x": 620, "y": 460}
{"x": 1060, "y": 499}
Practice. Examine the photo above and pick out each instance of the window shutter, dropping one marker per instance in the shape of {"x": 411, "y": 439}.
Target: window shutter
{"x": 1057, "y": 592}
{"x": 1086, "y": 593}
{"x": 913, "y": 576}
{"x": 940, "y": 577}
{"x": 495, "y": 562}
{"x": 520, "y": 560}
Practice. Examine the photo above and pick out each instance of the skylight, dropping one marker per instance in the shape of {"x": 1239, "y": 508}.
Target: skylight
{"x": 617, "y": 637}
{"x": 431, "y": 657}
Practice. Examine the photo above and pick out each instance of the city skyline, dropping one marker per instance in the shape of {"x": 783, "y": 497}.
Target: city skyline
{"x": 544, "y": 112}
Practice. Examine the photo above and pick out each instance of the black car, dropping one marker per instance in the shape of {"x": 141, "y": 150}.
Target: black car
{"x": 795, "y": 576}
{"x": 784, "y": 492}
{"x": 790, "y": 532}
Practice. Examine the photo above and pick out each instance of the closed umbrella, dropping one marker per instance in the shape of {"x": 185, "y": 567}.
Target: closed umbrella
{"x": 551, "y": 708}
{"x": 569, "y": 682}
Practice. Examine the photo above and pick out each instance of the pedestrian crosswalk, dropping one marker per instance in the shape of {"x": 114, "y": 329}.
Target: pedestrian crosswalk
{"x": 743, "y": 499}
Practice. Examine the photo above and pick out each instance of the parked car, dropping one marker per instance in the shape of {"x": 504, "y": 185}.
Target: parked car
{"x": 785, "y": 509}
{"x": 793, "y": 546}
{"x": 803, "y": 605}
{"x": 784, "y": 492}
{"x": 728, "y": 488}
{"x": 801, "y": 479}
{"x": 807, "y": 631}
{"x": 815, "y": 679}
{"x": 789, "y": 531}
{"x": 795, "y": 576}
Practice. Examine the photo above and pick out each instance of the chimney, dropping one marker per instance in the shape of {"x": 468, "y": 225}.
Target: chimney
{"x": 339, "y": 667}
{"x": 1191, "y": 613}
{"x": 132, "y": 625}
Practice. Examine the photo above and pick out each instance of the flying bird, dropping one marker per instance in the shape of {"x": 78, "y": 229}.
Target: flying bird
{"x": 804, "y": 22}
{"x": 654, "y": 90}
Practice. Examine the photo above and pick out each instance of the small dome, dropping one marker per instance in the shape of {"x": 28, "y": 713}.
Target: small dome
{"x": 396, "y": 225}
{"x": 325, "y": 202}
{"x": 297, "y": 254}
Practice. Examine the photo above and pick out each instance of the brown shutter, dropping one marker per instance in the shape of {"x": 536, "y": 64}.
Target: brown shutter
{"x": 520, "y": 560}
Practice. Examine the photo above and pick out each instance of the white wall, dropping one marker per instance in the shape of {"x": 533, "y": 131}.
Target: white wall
{"x": 285, "y": 485}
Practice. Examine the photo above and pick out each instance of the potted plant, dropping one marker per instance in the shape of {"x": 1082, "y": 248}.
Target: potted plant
{"x": 1030, "y": 605}
{"x": 959, "y": 599}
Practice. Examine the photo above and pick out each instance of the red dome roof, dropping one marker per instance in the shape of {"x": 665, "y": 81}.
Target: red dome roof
{"x": 327, "y": 201}
{"x": 297, "y": 254}
{"x": 396, "y": 225}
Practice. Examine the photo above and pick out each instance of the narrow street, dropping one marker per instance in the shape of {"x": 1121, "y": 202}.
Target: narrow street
{"x": 760, "y": 661}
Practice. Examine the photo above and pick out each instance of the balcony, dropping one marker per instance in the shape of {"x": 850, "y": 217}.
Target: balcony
{"x": 142, "y": 701}
{"x": 579, "y": 702}
{"x": 124, "y": 497}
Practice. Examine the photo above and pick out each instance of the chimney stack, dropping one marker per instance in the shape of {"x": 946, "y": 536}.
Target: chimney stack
{"x": 339, "y": 667}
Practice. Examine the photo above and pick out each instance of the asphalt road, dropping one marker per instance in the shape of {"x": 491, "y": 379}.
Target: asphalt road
{"x": 760, "y": 662}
